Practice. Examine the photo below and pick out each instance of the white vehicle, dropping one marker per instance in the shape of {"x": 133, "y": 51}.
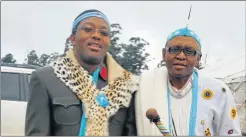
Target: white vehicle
{"x": 15, "y": 80}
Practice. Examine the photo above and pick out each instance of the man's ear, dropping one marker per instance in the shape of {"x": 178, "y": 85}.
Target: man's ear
{"x": 199, "y": 57}
{"x": 164, "y": 54}
{"x": 72, "y": 39}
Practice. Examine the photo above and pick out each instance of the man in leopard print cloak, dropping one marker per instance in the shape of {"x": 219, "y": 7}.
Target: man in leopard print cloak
{"x": 85, "y": 93}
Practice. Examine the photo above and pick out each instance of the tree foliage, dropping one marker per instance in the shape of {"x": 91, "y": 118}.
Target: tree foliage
{"x": 131, "y": 55}
{"x": 9, "y": 58}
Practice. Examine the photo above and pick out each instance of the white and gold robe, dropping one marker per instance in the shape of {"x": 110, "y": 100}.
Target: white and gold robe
{"x": 216, "y": 113}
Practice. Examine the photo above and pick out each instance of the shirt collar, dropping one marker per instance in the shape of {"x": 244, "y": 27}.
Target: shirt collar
{"x": 104, "y": 73}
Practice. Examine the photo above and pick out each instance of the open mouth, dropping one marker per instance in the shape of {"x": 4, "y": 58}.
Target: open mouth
{"x": 94, "y": 46}
{"x": 179, "y": 65}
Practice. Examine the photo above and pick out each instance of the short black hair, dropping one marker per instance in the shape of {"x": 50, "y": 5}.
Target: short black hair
{"x": 84, "y": 12}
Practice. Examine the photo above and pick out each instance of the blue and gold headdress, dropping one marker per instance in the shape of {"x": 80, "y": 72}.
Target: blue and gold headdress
{"x": 86, "y": 14}
{"x": 185, "y": 32}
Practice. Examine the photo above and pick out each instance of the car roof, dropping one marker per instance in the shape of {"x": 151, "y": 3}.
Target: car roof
{"x": 18, "y": 68}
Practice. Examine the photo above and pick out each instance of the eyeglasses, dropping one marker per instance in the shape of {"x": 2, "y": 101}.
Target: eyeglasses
{"x": 187, "y": 51}
{"x": 91, "y": 30}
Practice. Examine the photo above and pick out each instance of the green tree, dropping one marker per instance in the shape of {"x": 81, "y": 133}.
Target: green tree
{"x": 32, "y": 58}
{"x": 115, "y": 48}
{"x": 43, "y": 59}
{"x": 131, "y": 56}
{"x": 53, "y": 57}
{"x": 9, "y": 58}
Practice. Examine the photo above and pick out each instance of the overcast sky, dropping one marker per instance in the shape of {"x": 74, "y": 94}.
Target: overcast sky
{"x": 44, "y": 26}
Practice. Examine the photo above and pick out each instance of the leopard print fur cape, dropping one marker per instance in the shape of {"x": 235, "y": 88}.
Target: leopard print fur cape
{"x": 118, "y": 92}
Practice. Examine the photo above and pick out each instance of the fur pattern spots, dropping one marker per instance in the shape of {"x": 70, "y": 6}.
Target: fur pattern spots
{"x": 119, "y": 93}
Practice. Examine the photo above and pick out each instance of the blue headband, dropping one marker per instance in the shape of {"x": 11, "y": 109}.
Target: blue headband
{"x": 87, "y": 15}
{"x": 184, "y": 32}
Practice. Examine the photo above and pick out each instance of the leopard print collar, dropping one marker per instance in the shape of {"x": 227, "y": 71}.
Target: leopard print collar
{"x": 118, "y": 91}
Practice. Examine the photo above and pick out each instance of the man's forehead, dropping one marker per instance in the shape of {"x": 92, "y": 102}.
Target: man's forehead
{"x": 93, "y": 21}
{"x": 184, "y": 32}
{"x": 183, "y": 41}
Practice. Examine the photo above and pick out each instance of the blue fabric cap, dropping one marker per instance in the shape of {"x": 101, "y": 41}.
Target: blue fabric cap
{"x": 184, "y": 32}
{"x": 87, "y": 15}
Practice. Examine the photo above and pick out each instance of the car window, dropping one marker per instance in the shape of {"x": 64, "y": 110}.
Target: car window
{"x": 10, "y": 86}
{"x": 29, "y": 77}
{"x": 27, "y": 91}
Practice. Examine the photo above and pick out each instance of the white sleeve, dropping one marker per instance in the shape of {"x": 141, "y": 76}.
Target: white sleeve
{"x": 229, "y": 121}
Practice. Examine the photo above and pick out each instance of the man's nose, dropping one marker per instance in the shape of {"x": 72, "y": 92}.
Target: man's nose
{"x": 96, "y": 35}
{"x": 181, "y": 55}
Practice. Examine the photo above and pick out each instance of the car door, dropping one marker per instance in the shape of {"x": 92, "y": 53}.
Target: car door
{"x": 13, "y": 107}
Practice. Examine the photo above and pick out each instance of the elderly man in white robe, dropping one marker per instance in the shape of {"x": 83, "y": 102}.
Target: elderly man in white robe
{"x": 188, "y": 102}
